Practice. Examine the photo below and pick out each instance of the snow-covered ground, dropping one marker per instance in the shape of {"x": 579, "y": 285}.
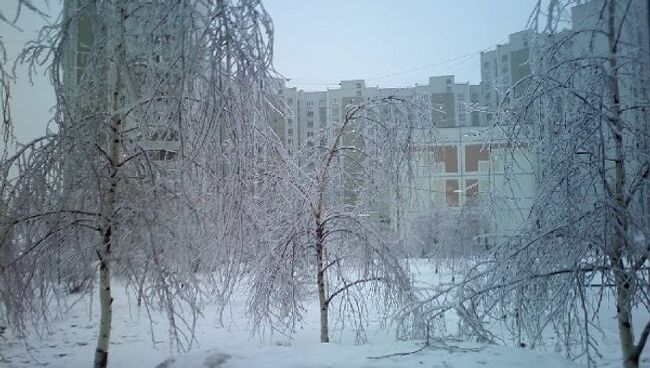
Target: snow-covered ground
{"x": 70, "y": 343}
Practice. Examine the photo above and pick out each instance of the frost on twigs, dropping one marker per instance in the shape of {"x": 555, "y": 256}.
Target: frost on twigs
{"x": 581, "y": 114}
{"x": 332, "y": 229}
{"x": 160, "y": 113}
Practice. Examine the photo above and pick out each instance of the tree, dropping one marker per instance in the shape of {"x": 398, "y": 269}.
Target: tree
{"x": 582, "y": 115}
{"x": 6, "y": 128}
{"x": 444, "y": 234}
{"x": 147, "y": 96}
{"x": 337, "y": 220}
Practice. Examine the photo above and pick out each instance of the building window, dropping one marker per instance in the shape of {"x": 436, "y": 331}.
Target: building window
{"x": 290, "y": 132}
{"x": 475, "y": 118}
{"x": 310, "y": 114}
{"x": 489, "y": 117}
{"x": 359, "y": 93}
{"x": 310, "y": 103}
{"x": 475, "y": 153}
{"x": 461, "y": 96}
{"x": 290, "y": 141}
{"x": 290, "y": 100}
{"x": 168, "y": 155}
{"x": 452, "y": 192}
{"x": 310, "y": 144}
{"x": 448, "y": 155}
{"x": 471, "y": 190}
{"x": 168, "y": 134}
{"x": 321, "y": 103}
{"x": 461, "y": 117}
{"x": 358, "y": 85}
{"x": 504, "y": 57}
{"x": 448, "y": 81}
{"x": 310, "y": 134}
{"x": 310, "y": 124}
{"x": 289, "y": 121}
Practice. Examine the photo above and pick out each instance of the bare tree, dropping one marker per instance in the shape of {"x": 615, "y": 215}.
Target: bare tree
{"x": 148, "y": 95}
{"x": 582, "y": 115}
{"x": 6, "y": 127}
{"x": 337, "y": 220}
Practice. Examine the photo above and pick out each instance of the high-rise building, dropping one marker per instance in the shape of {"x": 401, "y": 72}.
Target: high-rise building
{"x": 503, "y": 68}
{"x": 150, "y": 71}
{"x": 310, "y": 115}
{"x": 451, "y": 173}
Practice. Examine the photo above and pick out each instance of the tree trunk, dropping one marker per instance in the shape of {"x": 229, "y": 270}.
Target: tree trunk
{"x": 323, "y": 298}
{"x": 109, "y": 201}
{"x": 106, "y": 301}
{"x": 320, "y": 280}
{"x": 621, "y": 277}
{"x": 141, "y": 282}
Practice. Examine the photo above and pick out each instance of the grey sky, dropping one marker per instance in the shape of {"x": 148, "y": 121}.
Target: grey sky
{"x": 30, "y": 103}
{"x": 390, "y": 43}
{"x": 320, "y": 42}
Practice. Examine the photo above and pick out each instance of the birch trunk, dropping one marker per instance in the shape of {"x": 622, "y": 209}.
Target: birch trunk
{"x": 106, "y": 301}
{"x": 320, "y": 280}
{"x": 323, "y": 298}
{"x": 104, "y": 253}
{"x": 621, "y": 278}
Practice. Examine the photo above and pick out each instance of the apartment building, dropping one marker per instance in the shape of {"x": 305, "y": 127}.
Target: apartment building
{"x": 503, "y": 68}
{"x": 309, "y": 115}
{"x": 464, "y": 163}
{"x": 150, "y": 58}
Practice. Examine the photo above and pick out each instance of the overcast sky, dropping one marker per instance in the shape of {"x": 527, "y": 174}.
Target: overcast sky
{"x": 30, "y": 104}
{"x": 320, "y": 42}
{"x": 390, "y": 43}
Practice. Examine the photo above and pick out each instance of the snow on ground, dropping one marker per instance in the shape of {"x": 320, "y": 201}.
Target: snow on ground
{"x": 70, "y": 343}
{"x": 332, "y": 355}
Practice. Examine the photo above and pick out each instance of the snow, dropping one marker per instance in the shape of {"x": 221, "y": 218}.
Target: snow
{"x": 139, "y": 342}
{"x": 332, "y": 355}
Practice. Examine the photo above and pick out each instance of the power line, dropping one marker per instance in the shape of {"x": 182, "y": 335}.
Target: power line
{"x": 463, "y": 59}
{"x": 473, "y": 54}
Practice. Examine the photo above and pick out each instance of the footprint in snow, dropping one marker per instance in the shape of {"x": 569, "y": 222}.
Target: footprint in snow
{"x": 215, "y": 360}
